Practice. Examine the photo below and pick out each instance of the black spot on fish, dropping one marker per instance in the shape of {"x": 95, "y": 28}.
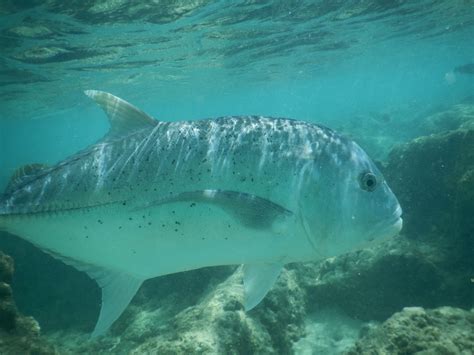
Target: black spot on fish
{"x": 130, "y": 218}
{"x": 176, "y": 222}
{"x": 149, "y": 223}
{"x": 163, "y": 225}
{"x": 176, "y": 230}
{"x": 100, "y": 221}
{"x": 192, "y": 204}
{"x": 120, "y": 227}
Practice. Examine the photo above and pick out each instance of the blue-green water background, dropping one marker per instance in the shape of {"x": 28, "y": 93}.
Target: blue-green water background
{"x": 373, "y": 69}
{"x": 337, "y": 63}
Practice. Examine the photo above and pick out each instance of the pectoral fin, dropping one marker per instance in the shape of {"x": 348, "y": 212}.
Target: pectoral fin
{"x": 251, "y": 210}
{"x": 258, "y": 280}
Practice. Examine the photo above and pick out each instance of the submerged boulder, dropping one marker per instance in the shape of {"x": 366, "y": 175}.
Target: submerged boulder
{"x": 456, "y": 117}
{"x": 433, "y": 178}
{"x": 444, "y": 330}
{"x": 214, "y": 323}
{"x": 18, "y": 334}
{"x": 373, "y": 283}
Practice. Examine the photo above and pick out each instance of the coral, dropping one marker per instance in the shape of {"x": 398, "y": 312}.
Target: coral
{"x": 443, "y": 330}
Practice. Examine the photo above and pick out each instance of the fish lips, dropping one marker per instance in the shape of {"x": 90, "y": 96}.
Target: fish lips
{"x": 384, "y": 230}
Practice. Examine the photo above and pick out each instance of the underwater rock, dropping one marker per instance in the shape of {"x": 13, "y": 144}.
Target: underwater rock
{"x": 328, "y": 332}
{"x": 18, "y": 334}
{"x": 57, "y": 295}
{"x": 432, "y": 178}
{"x": 8, "y": 312}
{"x": 444, "y": 330}
{"x": 215, "y": 323}
{"x": 218, "y": 323}
{"x": 372, "y": 284}
{"x": 457, "y": 116}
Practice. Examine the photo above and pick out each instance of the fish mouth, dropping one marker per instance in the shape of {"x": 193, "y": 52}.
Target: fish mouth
{"x": 393, "y": 227}
{"x": 397, "y": 219}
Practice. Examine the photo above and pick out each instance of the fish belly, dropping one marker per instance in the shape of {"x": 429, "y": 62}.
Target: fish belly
{"x": 152, "y": 241}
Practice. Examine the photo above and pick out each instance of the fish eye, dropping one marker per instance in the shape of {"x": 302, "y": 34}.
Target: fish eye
{"x": 368, "y": 181}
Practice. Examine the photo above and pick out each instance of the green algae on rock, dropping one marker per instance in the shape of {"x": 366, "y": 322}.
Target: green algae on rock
{"x": 373, "y": 283}
{"x": 432, "y": 178}
{"x": 443, "y": 330}
{"x": 457, "y": 116}
{"x": 215, "y": 323}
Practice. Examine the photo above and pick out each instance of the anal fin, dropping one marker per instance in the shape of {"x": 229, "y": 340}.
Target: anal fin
{"x": 258, "y": 280}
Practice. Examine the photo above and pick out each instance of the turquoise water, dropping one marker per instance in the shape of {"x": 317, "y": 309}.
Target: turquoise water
{"x": 321, "y": 62}
{"x": 374, "y": 70}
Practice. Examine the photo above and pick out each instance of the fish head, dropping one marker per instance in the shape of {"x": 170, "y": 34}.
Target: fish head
{"x": 355, "y": 205}
{"x": 372, "y": 213}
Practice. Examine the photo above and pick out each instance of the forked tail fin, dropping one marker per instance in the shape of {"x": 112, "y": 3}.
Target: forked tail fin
{"x": 118, "y": 289}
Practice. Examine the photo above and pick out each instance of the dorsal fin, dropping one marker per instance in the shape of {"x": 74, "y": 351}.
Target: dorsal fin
{"x": 123, "y": 117}
{"x": 23, "y": 173}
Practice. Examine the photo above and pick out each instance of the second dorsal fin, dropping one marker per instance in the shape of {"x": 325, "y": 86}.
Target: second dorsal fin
{"x": 124, "y": 118}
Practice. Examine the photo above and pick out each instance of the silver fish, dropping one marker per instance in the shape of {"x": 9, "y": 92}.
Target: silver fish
{"x": 153, "y": 198}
